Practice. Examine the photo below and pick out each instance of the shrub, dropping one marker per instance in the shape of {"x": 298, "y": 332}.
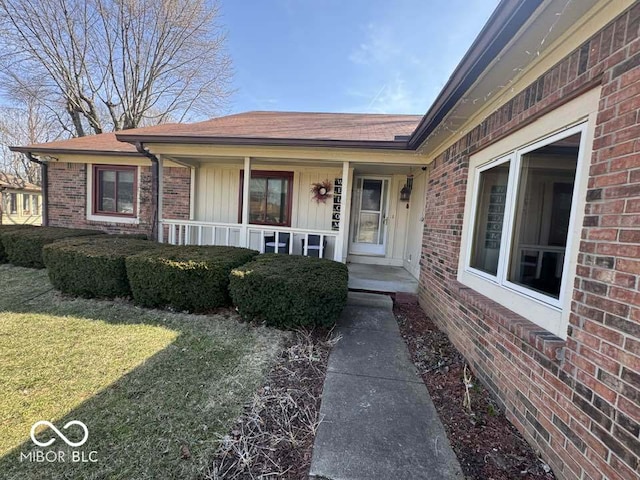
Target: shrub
{"x": 10, "y": 228}
{"x": 289, "y": 291}
{"x": 195, "y": 279}
{"x": 93, "y": 266}
{"x": 23, "y": 247}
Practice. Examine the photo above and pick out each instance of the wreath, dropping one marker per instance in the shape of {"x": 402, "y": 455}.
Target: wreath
{"x": 321, "y": 191}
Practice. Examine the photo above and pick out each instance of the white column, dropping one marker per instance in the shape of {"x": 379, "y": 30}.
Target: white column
{"x": 342, "y": 225}
{"x": 159, "y": 224}
{"x": 244, "y": 240}
{"x": 192, "y": 194}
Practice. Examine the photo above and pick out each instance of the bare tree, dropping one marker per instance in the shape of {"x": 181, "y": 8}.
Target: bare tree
{"x": 23, "y": 126}
{"x": 114, "y": 64}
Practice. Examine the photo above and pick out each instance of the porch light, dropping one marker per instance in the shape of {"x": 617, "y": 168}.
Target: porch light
{"x": 405, "y": 194}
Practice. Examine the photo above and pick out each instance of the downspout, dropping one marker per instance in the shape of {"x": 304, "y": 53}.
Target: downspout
{"x": 44, "y": 173}
{"x": 155, "y": 187}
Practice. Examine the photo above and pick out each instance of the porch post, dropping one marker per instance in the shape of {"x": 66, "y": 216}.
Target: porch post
{"x": 244, "y": 240}
{"x": 342, "y": 235}
{"x": 192, "y": 194}
{"x": 159, "y": 224}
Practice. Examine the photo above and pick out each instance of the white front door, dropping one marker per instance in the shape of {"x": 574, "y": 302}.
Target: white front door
{"x": 369, "y": 216}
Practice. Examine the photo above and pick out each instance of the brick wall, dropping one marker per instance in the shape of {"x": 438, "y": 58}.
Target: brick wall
{"x": 576, "y": 401}
{"x": 68, "y": 198}
{"x": 176, "y": 193}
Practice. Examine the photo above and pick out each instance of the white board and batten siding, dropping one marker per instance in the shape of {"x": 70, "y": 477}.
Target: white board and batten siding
{"x": 217, "y": 194}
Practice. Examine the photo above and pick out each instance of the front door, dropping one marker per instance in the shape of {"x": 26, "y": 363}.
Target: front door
{"x": 369, "y": 216}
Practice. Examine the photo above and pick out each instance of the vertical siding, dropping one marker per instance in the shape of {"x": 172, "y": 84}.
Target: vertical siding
{"x": 218, "y": 194}
{"x": 415, "y": 225}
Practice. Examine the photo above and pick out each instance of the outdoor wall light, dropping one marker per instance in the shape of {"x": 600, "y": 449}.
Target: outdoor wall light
{"x": 405, "y": 194}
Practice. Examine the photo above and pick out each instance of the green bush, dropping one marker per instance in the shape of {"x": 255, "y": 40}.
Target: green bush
{"x": 10, "y": 228}
{"x": 288, "y": 291}
{"x": 93, "y": 266}
{"x": 195, "y": 279}
{"x": 23, "y": 247}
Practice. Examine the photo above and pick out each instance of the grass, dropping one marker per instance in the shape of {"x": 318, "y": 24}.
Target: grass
{"x": 155, "y": 389}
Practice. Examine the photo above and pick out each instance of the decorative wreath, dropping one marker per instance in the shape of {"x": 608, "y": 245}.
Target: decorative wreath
{"x": 321, "y": 191}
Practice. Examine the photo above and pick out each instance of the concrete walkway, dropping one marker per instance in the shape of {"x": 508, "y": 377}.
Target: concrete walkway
{"x": 381, "y": 278}
{"x": 378, "y": 421}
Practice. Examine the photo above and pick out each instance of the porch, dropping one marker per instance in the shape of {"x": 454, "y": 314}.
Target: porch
{"x": 381, "y": 279}
{"x": 359, "y": 218}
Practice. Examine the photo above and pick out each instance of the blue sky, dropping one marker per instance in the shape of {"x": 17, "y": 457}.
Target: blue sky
{"x": 376, "y": 56}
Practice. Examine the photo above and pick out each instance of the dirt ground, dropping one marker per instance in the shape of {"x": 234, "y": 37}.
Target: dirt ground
{"x": 274, "y": 437}
{"x": 487, "y": 445}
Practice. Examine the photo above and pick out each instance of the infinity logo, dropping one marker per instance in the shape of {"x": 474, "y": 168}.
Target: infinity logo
{"x": 59, "y": 433}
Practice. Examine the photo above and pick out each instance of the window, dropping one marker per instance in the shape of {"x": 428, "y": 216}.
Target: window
{"x": 26, "y": 204}
{"x": 13, "y": 203}
{"x": 521, "y": 215}
{"x": 35, "y": 204}
{"x": 269, "y": 197}
{"x": 114, "y": 190}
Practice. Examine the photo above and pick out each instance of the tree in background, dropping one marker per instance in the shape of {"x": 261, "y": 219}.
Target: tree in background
{"x": 28, "y": 124}
{"x": 102, "y": 65}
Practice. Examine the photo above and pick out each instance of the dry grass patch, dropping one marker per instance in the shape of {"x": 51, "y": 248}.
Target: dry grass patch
{"x": 156, "y": 389}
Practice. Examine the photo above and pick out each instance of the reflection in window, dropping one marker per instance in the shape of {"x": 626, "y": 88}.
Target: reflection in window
{"x": 492, "y": 194}
{"x": 35, "y": 204}
{"x": 26, "y": 204}
{"x": 13, "y": 203}
{"x": 542, "y": 214}
{"x": 270, "y": 198}
{"x": 115, "y": 190}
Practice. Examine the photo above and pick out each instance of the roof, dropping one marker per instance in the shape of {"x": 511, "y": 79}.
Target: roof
{"x": 104, "y": 143}
{"x": 11, "y": 181}
{"x": 347, "y": 127}
{"x": 258, "y": 128}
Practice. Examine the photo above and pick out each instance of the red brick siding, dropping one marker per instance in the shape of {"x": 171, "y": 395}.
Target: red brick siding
{"x": 68, "y": 198}
{"x": 575, "y": 401}
{"x": 176, "y": 193}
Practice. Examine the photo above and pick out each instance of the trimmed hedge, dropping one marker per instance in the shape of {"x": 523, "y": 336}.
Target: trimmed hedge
{"x": 10, "y": 228}
{"x": 194, "y": 279}
{"x": 93, "y": 266}
{"x": 290, "y": 291}
{"x": 23, "y": 247}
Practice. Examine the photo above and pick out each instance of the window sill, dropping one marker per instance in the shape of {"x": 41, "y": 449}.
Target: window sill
{"x": 544, "y": 346}
{"x": 113, "y": 219}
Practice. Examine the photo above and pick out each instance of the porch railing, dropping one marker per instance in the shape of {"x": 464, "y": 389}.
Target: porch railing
{"x": 292, "y": 241}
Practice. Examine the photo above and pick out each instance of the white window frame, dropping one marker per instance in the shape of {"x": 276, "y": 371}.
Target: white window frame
{"x": 546, "y": 311}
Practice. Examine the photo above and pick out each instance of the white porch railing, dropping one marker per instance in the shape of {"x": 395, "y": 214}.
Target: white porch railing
{"x": 292, "y": 241}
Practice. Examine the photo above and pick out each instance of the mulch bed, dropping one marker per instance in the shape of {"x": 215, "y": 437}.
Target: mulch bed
{"x": 486, "y": 444}
{"x": 274, "y": 436}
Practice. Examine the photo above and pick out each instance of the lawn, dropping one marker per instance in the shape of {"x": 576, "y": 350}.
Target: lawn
{"x": 155, "y": 389}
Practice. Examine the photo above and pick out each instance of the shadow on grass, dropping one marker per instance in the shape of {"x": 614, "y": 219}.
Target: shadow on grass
{"x": 163, "y": 418}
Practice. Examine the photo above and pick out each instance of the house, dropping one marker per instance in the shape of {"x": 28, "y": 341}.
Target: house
{"x": 20, "y": 202}
{"x": 515, "y": 200}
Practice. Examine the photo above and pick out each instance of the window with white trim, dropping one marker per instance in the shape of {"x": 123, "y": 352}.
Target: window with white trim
{"x": 522, "y": 206}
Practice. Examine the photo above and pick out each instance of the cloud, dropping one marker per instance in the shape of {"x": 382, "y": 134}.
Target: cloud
{"x": 379, "y": 47}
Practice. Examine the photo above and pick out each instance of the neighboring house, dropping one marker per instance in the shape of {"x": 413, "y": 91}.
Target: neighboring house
{"x": 522, "y": 223}
{"x": 20, "y": 202}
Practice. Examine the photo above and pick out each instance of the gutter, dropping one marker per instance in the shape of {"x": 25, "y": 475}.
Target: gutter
{"x": 503, "y": 25}
{"x": 155, "y": 188}
{"x": 264, "y": 142}
{"x": 44, "y": 172}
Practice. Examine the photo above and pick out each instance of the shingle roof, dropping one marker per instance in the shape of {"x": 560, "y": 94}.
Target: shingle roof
{"x": 11, "y": 181}
{"x": 102, "y": 143}
{"x": 275, "y": 126}
{"x": 291, "y": 125}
